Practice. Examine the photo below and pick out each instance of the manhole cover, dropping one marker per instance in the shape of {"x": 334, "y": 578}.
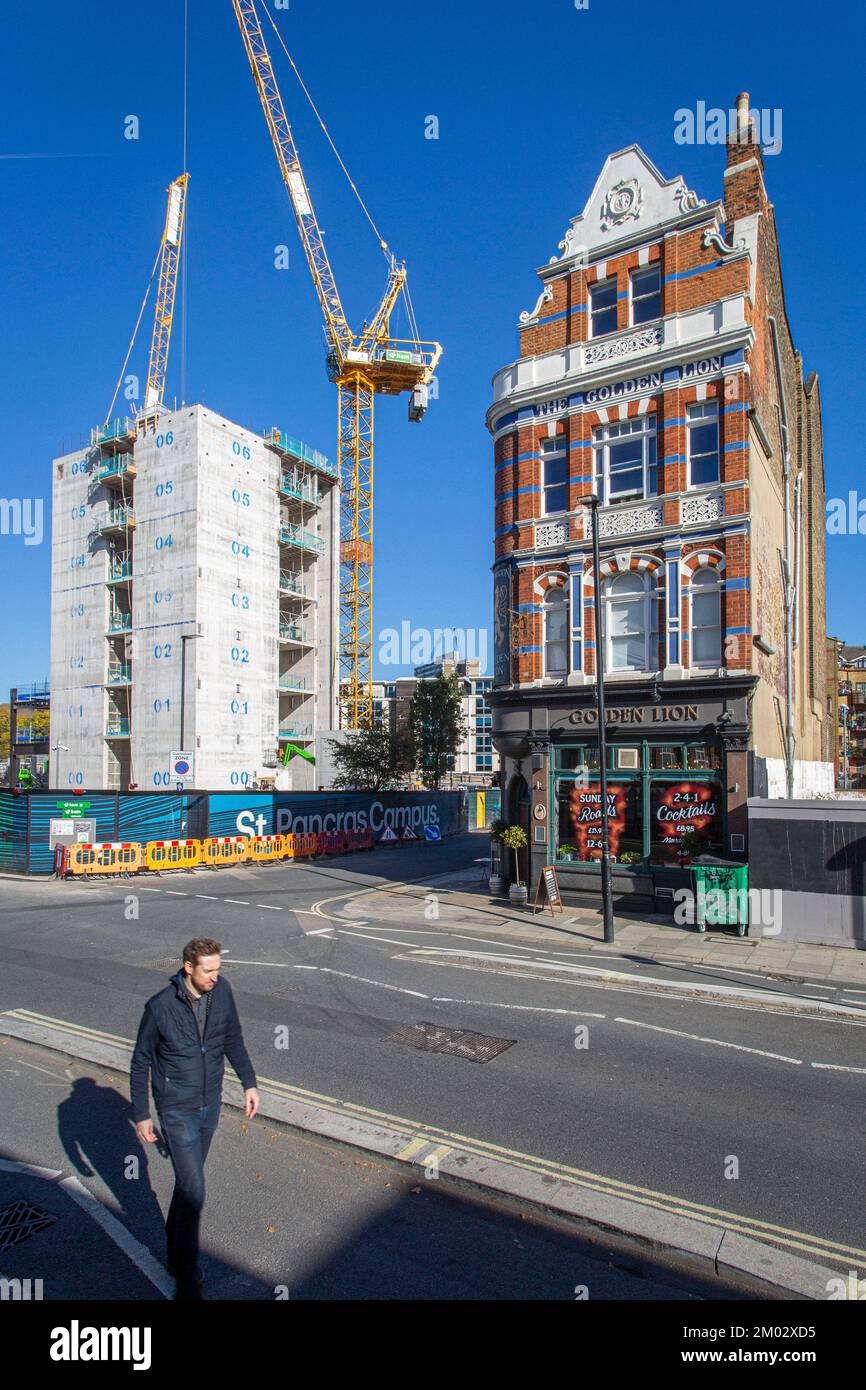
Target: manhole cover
{"x": 456, "y": 1042}
{"x": 172, "y": 965}
{"x": 21, "y": 1220}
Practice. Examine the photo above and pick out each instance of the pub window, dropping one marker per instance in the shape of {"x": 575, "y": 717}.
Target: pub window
{"x": 602, "y": 301}
{"x": 646, "y": 294}
{"x": 665, "y": 756}
{"x": 703, "y": 431}
{"x": 703, "y": 757}
{"x": 554, "y": 479}
{"x": 625, "y": 459}
{"x": 706, "y": 618}
{"x": 556, "y": 632}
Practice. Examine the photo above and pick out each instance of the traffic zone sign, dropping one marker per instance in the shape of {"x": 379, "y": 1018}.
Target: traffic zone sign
{"x": 181, "y": 767}
{"x": 388, "y": 835}
{"x": 432, "y": 832}
{"x": 409, "y": 834}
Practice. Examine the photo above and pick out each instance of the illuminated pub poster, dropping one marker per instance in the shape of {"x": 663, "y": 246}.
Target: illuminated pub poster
{"x": 584, "y": 814}
{"x": 677, "y": 807}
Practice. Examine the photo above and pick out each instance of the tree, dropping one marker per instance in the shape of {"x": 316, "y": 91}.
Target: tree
{"x": 437, "y": 726}
{"x": 372, "y": 759}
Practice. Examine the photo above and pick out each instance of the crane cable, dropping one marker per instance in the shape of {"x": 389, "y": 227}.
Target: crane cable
{"x": 381, "y": 240}
{"x": 134, "y": 335}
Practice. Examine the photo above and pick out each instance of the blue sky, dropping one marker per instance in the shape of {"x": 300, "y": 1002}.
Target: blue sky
{"x": 530, "y": 98}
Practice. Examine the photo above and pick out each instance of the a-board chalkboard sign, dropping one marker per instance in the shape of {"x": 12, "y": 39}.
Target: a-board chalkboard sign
{"x": 548, "y": 884}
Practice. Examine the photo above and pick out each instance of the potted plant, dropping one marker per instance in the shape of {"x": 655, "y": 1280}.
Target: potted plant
{"x": 692, "y": 844}
{"x": 630, "y": 856}
{"x": 495, "y": 881}
{"x": 514, "y": 838}
{"x": 566, "y": 853}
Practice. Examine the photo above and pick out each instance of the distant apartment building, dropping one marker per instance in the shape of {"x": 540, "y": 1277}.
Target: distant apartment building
{"x": 29, "y": 735}
{"x": 194, "y": 606}
{"x": 846, "y": 712}
{"x": 658, "y": 373}
{"x": 477, "y": 762}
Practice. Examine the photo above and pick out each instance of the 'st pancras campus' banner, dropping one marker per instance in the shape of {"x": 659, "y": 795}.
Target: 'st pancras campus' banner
{"x": 678, "y": 807}
{"x": 390, "y": 815}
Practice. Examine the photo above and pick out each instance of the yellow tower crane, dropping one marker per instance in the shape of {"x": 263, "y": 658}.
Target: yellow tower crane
{"x": 361, "y": 364}
{"x": 169, "y": 260}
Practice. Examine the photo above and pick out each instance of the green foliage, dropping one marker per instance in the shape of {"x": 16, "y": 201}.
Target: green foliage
{"x": 372, "y": 759}
{"x": 514, "y": 836}
{"x": 565, "y": 850}
{"x": 496, "y": 828}
{"x": 437, "y": 726}
{"x": 693, "y": 843}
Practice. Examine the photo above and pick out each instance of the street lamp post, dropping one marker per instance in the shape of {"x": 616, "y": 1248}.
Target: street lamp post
{"x": 592, "y": 501}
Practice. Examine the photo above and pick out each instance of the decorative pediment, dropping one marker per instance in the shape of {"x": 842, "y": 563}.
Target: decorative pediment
{"x": 630, "y": 192}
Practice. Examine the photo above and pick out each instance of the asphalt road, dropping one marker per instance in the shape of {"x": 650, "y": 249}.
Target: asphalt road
{"x": 288, "y": 1216}
{"x": 750, "y": 1110}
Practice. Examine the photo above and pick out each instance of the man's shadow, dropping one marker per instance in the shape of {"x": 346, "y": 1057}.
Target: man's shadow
{"x": 95, "y": 1127}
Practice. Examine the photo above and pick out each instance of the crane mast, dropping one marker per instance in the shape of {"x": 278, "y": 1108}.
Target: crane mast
{"x": 172, "y": 239}
{"x": 360, "y": 365}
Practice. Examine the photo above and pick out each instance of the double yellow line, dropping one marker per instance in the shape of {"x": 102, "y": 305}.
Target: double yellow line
{"x": 429, "y": 1144}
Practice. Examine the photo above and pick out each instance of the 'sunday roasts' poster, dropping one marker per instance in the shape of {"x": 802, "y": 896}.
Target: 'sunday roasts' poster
{"x": 585, "y": 818}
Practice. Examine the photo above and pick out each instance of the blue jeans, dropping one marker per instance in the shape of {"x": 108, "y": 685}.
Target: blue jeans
{"x": 187, "y": 1134}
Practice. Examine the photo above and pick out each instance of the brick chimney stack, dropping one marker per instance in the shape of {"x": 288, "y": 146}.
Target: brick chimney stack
{"x": 744, "y": 176}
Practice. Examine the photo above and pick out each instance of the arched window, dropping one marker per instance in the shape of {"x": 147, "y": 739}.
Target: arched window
{"x": 706, "y": 618}
{"x": 632, "y": 623}
{"x": 556, "y": 632}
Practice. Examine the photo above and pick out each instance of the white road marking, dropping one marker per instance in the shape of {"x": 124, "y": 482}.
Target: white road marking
{"x": 717, "y": 1042}
{"x": 236, "y": 901}
{"x": 321, "y": 931}
{"x": 209, "y": 896}
{"x": 174, "y": 893}
{"x": 857, "y": 991}
{"x": 277, "y": 964}
{"x": 518, "y": 1008}
{"x": 270, "y": 906}
{"x": 834, "y": 1066}
{"x": 380, "y": 983}
{"x": 150, "y": 890}
{"x": 116, "y": 1231}
{"x": 386, "y": 940}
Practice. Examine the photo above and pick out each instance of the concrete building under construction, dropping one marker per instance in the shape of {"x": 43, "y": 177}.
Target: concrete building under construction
{"x": 194, "y": 606}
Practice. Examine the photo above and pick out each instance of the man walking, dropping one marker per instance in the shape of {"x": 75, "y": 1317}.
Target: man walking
{"x": 186, "y": 1032}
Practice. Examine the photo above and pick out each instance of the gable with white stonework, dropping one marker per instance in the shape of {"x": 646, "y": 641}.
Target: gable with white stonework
{"x": 629, "y": 194}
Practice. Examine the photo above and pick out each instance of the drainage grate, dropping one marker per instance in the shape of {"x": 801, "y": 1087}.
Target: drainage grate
{"x": 21, "y": 1220}
{"x": 172, "y": 965}
{"x": 455, "y": 1042}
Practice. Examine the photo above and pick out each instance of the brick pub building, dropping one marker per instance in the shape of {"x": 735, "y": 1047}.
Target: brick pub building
{"x": 658, "y": 370}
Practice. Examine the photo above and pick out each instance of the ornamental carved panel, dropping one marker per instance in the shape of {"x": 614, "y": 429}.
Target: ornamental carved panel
{"x": 626, "y": 520}
{"x": 549, "y": 533}
{"x": 706, "y": 506}
{"x": 623, "y": 347}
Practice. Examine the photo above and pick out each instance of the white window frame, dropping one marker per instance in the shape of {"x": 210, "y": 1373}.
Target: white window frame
{"x": 643, "y": 426}
{"x": 694, "y": 588}
{"x": 599, "y": 285}
{"x": 696, "y": 412}
{"x": 547, "y": 605}
{"x": 650, "y": 610}
{"x": 560, "y": 451}
{"x": 642, "y": 270}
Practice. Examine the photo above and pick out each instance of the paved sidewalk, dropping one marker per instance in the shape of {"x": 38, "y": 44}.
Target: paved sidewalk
{"x": 655, "y": 937}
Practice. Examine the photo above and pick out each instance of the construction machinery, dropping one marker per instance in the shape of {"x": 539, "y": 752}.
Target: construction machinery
{"x": 172, "y": 238}
{"x": 362, "y": 365}
{"x": 168, "y": 261}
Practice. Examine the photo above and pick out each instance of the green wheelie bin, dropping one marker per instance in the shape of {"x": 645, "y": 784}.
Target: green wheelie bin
{"x": 721, "y": 888}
